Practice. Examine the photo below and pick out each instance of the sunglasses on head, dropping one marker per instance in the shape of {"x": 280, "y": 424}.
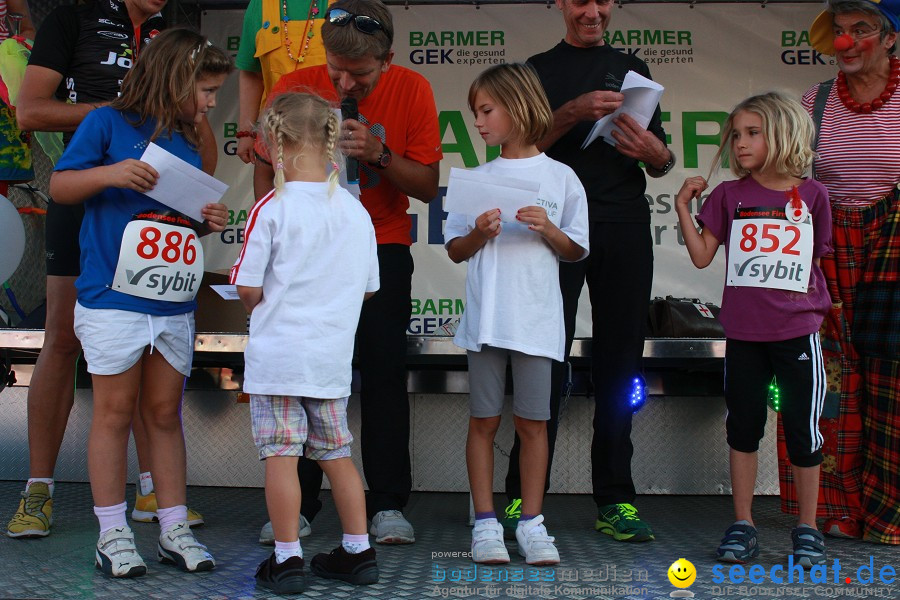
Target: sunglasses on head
{"x": 365, "y": 24}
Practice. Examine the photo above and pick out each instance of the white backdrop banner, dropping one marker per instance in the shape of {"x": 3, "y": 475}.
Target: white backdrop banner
{"x": 708, "y": 57}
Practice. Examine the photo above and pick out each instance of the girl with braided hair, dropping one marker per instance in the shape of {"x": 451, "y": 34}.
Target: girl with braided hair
{"x": 308, "y": 262}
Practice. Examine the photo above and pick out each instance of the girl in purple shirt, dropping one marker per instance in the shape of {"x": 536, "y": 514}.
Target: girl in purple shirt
{"x": 775, "y": 225}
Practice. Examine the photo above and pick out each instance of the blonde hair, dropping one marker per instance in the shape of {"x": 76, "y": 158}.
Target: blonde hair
{"x": 788, "y": 129}
{"x": 516, "y": 87}
{"x": 300, "y": 121}
{"x": 164, "y": 78}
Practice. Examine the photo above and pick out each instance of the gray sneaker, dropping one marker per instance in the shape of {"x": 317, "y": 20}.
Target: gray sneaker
{"x": 390, "y": 527}
{"x": 267, "y": 535}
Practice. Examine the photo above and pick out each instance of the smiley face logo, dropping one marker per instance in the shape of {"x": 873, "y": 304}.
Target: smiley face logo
{"x": 682, "y": 573}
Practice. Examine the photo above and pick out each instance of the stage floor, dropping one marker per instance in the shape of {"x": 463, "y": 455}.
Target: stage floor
{"x": 593, "y": 565}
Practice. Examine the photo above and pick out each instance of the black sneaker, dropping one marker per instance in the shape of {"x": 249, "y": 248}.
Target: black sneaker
{"x": 285, "y": 578}
{"x": 358, "y": 569}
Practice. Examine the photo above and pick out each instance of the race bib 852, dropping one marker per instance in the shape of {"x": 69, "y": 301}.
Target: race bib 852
{"x": 767, "y": 250}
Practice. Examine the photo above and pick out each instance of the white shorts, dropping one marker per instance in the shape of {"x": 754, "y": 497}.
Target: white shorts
{"x": 114, "y": 340}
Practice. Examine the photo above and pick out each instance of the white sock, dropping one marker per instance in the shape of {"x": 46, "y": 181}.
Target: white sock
{"x": 146, "y": 483}
{"x": 111, "y": 517}
{"x": 169, "y": 516}
{"x": 285, "y": 550}
{"x": 47, "y": 480}
{"x": 354, "y": 544}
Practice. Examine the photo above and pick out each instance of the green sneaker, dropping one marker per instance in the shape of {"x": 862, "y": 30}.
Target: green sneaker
{"x": 623, "y": 523}
{"x": 510, "y": 519}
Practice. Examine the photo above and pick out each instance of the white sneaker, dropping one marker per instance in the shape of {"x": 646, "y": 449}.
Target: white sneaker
{"x": 390, "y": 527}
{"x": 116, "y": 554}
{"x": 178, "y": 546}
{"x": 267, "y": 534}
{"x": 534, "y": 543}
{"x": 487, "y": 543}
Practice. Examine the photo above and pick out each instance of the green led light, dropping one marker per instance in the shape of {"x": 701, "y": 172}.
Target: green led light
{"x": 774, "y": 399}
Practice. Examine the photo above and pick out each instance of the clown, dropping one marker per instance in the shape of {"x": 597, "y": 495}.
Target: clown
{"x": 857, "y": 116}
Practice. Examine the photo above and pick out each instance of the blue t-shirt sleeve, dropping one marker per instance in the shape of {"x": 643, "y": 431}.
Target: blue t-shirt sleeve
{"x": 89, "y": 146}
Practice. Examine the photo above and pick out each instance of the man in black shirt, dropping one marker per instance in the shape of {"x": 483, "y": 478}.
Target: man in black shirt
{"x": 80, "y": 56}
{"x": 582, "y": 76}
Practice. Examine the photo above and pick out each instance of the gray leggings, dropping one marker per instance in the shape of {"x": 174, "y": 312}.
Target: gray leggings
{"x": 487, "y": 383}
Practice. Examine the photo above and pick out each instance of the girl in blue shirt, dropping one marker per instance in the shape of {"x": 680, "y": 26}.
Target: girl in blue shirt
{"x": 141, "y": 266}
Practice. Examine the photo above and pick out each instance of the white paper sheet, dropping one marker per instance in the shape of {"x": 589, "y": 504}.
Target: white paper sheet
{"x": 473, "y": 193}
{"x": 229, "y": 292}
{"x": 641, "y": 99}
{"x": 181, "y": 186}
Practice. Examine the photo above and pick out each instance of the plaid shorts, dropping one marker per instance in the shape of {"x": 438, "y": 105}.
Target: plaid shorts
{"x": 283, "y": 425}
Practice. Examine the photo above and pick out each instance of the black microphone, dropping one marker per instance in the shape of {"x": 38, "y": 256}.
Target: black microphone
{"x": 350, "y": 110}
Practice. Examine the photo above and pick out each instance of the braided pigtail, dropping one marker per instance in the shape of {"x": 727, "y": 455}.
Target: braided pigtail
{"x": 302, "y": 129}
{"x": 277, "y": 123}
{"x": 332, "y": 130}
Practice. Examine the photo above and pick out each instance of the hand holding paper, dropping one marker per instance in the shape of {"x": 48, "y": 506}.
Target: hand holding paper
{"x": 488, "y": 223}
{"x": 641, "y": 99}
{"x": 473, "y": 193}
{"x": 181, "y": 185}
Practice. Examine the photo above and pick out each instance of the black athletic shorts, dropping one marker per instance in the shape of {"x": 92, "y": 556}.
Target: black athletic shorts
{"x": 62, "y": 228}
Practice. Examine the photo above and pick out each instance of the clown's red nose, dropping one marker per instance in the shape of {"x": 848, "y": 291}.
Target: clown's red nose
{"x": 843, "y": 42}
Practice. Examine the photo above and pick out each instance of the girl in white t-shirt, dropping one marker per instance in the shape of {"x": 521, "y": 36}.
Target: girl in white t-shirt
{"x": 309, "y": 260}
{"x": 513, "y": 300}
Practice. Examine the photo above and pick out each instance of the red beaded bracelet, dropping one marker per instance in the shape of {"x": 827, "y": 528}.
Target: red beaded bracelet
{"x": 243, "y": 134}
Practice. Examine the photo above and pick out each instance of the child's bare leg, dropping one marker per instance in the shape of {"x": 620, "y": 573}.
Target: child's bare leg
{"x": 283, "y": 496}
{"x": 162, "y": 387}
{"x": 480, "y": 461}
{"x": 141, "y": 441}
{"x": 743, "y": 482}
{"x": 114, "y": 400}
{"x": 532, "y": 463}
{"x": 349, "y": 497}
{"x": 807, "y": 481}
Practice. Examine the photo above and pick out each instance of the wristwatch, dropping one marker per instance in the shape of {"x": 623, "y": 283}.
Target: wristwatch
{"x": 384, "y": 159}
{"x": 666, "y": 167}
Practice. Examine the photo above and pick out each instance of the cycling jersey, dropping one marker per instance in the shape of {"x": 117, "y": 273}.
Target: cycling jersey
{"x": 92, "y": 46}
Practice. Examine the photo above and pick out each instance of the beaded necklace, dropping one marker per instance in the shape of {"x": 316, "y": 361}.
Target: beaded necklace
{"x": 308, "y": 31}
{"x": 852, "y": 105}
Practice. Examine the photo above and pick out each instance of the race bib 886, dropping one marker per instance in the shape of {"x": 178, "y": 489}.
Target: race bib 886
{"x": 160, "y": 259}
